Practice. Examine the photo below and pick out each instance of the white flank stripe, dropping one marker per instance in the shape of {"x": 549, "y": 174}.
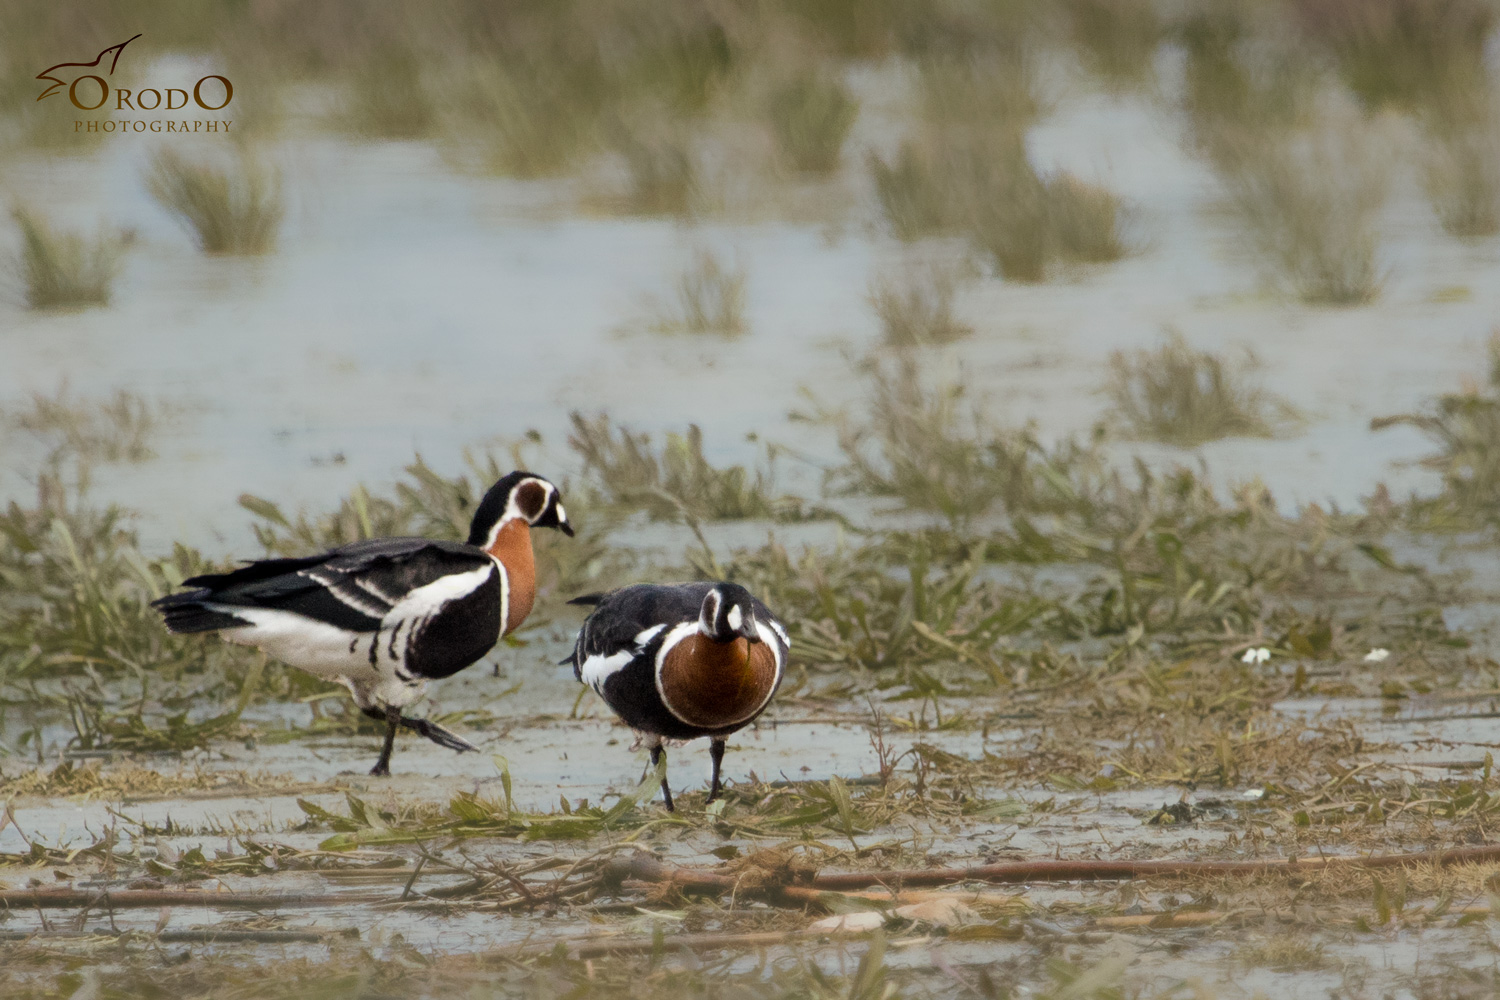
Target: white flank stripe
{"x": 598, "y": 669}
{"x": 643, "y": 637}
{"x": 429, "y": 600}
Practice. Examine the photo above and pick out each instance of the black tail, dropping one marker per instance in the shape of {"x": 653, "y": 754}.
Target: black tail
{"x": 186, "y": 613}
{"x": 588, "y": 599}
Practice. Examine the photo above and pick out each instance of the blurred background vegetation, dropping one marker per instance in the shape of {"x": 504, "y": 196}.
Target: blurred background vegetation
{"x": 933, "y": 500}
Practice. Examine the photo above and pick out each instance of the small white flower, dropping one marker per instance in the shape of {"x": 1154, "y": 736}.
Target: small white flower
{"x": 1377, "y": 655}
{"x": 1256, "y": 654}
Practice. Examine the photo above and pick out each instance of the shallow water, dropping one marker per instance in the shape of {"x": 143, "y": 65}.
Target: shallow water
{"x": 412, "y": 309}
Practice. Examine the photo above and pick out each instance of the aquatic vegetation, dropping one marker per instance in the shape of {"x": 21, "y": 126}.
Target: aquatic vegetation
{"x": 679, "y": 52}
{"x": 1401, "y": 52}
{"x": 387, "y": 96}
{"x": 1462, "y": 175}
{"x": 811, "y": 116}
{"x": 917, "y": 309}
{"x": 1085, "y": 220}
{"x": 60, "y": 270}
{"x": 710, "y": 299}
{"x": 907, "y": 188}
{"x": 991, "y": 91}
{"x": 527, "y": 121}
{"x": 984, "y": 187}
{"x": 117, "y": 429}
{"x": 1241, "y": 81}
{"x": 1008, "y": 211}
{"x": 75, "y": 590}
{"x": 1312, "y": 204}
{"x": 1186, "y": 397}
{"x": 677, "y": 481}
{"x": 235, "y": 208}
{"x": 663, "y": 169}
{"x": 928, "y": 444}
{"x": 1118, "y": 39}
{"x": 1466, "y": 427}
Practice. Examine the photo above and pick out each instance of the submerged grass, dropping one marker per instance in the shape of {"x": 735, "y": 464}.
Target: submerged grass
{"x": 1462, "y": 178}
{"x": 663, "y": 169}
{"x": 1401, "y": 52}
{"x": 1118, "y": 38}
{"x": 710, "y": 299}
{"x": 230, "y": 209}
{"x": 60, "y": 270}
{"x": 1186, "y": 397}
{"x": 1313, "y": 204}
{"x": 676, "y": 482}
{"x": 1465, "y": 426}
{"x": 811, "y": 116}
{"x": 985, "y": 188}
{"x": 389, "y": 96}
{"x": 117, "y": 429}
{"x": 917, "y": 308}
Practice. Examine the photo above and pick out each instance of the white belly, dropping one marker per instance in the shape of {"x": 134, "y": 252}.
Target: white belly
{"x": 332, "y": 653}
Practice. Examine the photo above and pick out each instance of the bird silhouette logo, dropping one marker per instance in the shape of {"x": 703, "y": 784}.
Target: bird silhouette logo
{"x": 47, "y": 76}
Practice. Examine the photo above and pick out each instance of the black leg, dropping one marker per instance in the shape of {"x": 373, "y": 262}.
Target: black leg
{"x": 716, "y": 752}
{"x": 437, "y": 734}
{"x": 392, "y": 720}
{"x": 666, "y": 792}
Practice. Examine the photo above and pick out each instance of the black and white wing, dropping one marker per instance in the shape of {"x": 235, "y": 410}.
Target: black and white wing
{"x": 627, "y": 624}
{"x": 447, "y": 594}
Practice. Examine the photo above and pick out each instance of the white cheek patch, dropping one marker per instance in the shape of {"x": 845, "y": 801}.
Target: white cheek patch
{"x": 736, "y": 618}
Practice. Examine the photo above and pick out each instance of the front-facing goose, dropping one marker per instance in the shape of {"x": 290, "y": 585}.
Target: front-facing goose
{"x": 679, "y": 661}
{"x": 385, "y": 615}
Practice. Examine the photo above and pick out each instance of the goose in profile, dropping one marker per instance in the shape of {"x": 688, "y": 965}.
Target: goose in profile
{"x": 384, "y": 616}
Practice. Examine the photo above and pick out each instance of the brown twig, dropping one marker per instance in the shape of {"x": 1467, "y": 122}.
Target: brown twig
{"x": 1190, "y": 918}
{"x": 637, "y": 944}
{"x": 209, "y": 936}
{"x": 642, "y": 867}
{"x": 120, "y": 899}
{"x": 1094, "y": 871}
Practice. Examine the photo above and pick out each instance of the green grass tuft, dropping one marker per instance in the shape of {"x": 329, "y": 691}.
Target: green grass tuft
{"x": 917, "y": 309}
{"x": 663, "y": 169}
{"x": 710, "y": 299}
{"x": 1312, "y": 204}
{"x": 388, "y": 96}
{"x": 677, "y": 481}
{"x": 1462, "y": 179}
{"x": 118, "y": 429}
{"x": 811, "y": 116}
{"x": 62, "y": 270}
{"x": 1401, "y": 52}
{"x": 1118, "y": 38}
{"x": 1466, "y": 427}
{"x": 233, "y": 209}
{"x": 1185, "y": 397}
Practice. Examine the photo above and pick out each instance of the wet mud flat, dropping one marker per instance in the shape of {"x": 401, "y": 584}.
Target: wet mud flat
{"x": 271, "y": 864}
